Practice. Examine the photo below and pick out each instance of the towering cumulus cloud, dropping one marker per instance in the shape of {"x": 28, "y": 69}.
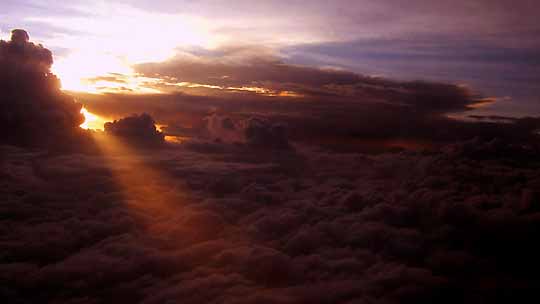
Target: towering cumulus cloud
{"x": 33, "y": 110}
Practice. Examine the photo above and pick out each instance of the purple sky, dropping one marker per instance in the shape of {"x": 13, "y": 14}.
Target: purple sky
{"x": 489, "y": 45}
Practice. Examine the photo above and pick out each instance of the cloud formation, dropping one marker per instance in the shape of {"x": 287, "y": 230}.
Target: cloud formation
{"x": 252, "y": 69}
{"x": 451, "y": 226}
{"x": 260, "y": 222}
{"x": 256, "y": 132}
{"x": 264, "y": 134}
{"x": 211, "y": 222}
{"x": 415, "y": 113}
{"x": 33, "y": 109}
{"x": 318, "y": 105}
{"x": 138, "y": 129}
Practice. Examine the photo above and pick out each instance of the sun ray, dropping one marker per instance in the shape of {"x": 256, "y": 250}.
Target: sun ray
{"x": 153, "y": 197}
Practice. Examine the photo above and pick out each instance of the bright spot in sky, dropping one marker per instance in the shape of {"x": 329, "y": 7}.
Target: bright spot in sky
{"x": 107, "y": 38}
{"x": 75, "y": 69}
{"x": 92, "y": 121}
{"x": 115, "y": 38}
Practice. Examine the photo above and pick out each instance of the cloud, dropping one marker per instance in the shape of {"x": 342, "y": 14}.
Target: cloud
{"x": 208, "y": 222}
{"x": 252, "y": 69}
{"x": 499, "y": 64}
{"x": 241, "y": 66}
{"x": 33, "y": 109}
{"x": 415, "y": 114}
{"x": 444, "y": 226}
{"x": 108, "y": 78}
{"x": 223, "y": 128}
{"x": 325, "y": 106}
{"x": 139, "y": 129}
{"x": 254, "y": 131}
{"x": 265, "y": 134}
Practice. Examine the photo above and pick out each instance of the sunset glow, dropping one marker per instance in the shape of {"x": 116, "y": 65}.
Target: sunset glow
{"x": 92, "y": 121}
{"x": 102, "y": 38}
{"x": 118, "y": 37}
{"x": 270, "y": 151}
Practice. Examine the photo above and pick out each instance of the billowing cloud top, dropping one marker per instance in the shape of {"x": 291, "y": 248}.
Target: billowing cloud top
{"x": 136, "y": 129}
{"x": 33, "y": 110}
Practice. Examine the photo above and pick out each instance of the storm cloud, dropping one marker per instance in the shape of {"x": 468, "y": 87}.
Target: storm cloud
{"x": 252, "y": 69}
{"x": 137, "y": 129}
{"x": 318, "y": 105}
{"x": 415, "y": 112}
{"x": 33, "y": 109}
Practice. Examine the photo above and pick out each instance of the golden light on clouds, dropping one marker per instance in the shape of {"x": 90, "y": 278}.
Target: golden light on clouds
{"x": 251, "y": 89}
{"x": 81, "y": 65}
{"x": 150, "y": 194}
{"x": 116, "y": 38}
{"x": 109, "y": 38}
{"x": 92, "y": 121}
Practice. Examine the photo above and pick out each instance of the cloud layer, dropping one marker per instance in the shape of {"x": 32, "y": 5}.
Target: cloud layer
{"x": 335, "y": 116}
{"x": 255, "y": 69}
{"x": 232, "y": 226}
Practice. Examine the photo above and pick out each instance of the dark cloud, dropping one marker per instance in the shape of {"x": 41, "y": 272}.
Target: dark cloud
{"x": 33, "y": 109}
{"x": 265, "y": 134}
{"x": 498, "y": 64}
{"x": 242, "y": 68}
{"x": 326, "y": 106}
{"x": 223, "y": 128}
{"x": 454, "y": 225}
{"x": 139, "y": 129}
{"x": 417, "y": 118}
{"x": 254, "y": 131}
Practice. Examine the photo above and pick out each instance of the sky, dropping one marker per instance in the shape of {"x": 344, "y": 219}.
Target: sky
{"x": 269, "y": 152}
{"x": 103, "y": 46}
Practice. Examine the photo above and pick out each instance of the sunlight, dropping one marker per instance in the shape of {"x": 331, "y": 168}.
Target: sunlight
{"x": 121, "y": 36}
{"x": 95, "y": 73}
{"x": 78, "y": 66}
{"x": 176, "y": 139}
{"x": 150, "y": 194}
{"x": 92, "y": 121}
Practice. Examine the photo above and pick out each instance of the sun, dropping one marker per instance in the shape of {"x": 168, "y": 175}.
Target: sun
{"x": 92, "y": 121}
{"x": 121, "y": 37}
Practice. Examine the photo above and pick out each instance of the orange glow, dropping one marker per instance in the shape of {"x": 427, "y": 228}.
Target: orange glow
{"x": 175, "y": 139}
{"x": 483, "y": 102}
{"x": 92, "y": 121}
{"x": 289, "y": 94}
{"x": 256, "y": 90}
{"x": 121, "y": 36}
{"x": 150, "y": 194}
